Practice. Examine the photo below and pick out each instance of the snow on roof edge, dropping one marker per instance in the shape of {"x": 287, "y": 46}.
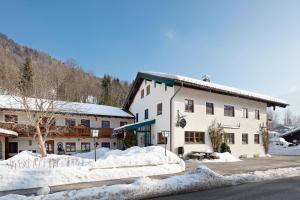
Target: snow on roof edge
{"x": 218, "y": 87}
{"x": 8, "y": 132}
{"x": 11, "y": 102}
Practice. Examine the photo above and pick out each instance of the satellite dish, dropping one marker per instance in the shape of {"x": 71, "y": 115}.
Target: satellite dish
{"x": 182, "y": 123}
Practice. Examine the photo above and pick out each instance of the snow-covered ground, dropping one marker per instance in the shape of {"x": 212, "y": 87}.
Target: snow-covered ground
{"x": 29, "y": 170}
{"x": 198, "y": 179}
{"x": 278, "y": 146}
{"x": 222, "y": 157}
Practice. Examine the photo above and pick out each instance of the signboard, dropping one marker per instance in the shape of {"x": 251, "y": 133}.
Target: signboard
{"x": 95, "y": 133}
{"x": 182, "y": 123}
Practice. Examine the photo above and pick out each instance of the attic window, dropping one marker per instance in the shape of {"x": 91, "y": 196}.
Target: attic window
{"x": 142, "y": 93}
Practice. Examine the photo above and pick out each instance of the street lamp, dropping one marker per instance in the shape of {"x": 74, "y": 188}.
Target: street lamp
{"x": 95, "y": 133}
{"x": 165, "y": 134}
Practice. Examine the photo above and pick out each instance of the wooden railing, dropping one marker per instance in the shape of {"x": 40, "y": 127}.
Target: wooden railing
{"x": 58, "y": 131}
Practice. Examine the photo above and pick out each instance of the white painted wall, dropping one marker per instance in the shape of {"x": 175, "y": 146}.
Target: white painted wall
{"x": 200, "y": 121}
{"x": 157, "y": 95}
{"x": 95, "y": 122}
{"x": 23, "y": 143}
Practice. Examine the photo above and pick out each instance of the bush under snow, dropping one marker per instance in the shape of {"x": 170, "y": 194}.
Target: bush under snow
{"x": 221, "y": 157}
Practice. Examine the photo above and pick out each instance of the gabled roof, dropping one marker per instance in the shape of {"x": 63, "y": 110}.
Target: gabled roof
{"x": 171, "y": 80}
{"x": 8, "y": 102}
{"x": 296, "y": 130}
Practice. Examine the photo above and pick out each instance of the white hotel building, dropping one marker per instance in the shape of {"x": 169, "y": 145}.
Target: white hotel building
{"x": 159, "y": 101}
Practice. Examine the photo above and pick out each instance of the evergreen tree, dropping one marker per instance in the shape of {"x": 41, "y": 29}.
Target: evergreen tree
{"x": 106, "y": 90}
{"x": 26, "y": 78}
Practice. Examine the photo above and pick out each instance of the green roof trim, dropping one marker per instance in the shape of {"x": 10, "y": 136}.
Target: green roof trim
{"x": 168, "y": 82}
{"x": 140, "y": 124}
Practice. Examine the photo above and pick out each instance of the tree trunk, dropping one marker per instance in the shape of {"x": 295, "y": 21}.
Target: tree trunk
{"x": 40, "y": 142}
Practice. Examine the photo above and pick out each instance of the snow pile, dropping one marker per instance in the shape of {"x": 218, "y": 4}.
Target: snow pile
{"x": 198, "y": 179}
{"x": 221, "y": 157}
{"x": 29, "y": 170}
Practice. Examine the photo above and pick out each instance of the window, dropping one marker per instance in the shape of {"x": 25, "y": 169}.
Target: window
{"x": 136, "y": 117}
{"x": 257, "y": 115}
{"x": 245, "y": 112}
{"x": 146, "y": 114}
{"x": 105, "y": 124}
{"x": 159, "y": 109}
{"x": 256, "y": 138}
{"x": 244, "y": 138}
{"x": 85, "y": 147}
{"x": 210, "y": 109}
{"x": 229, "y": 111}
{"x": 70, "y": 122}
{"x": 123, "y": 123}
{"x": 189, "y": 105}
{"x": 148, "y": 89}
{"x": 105, "y": 144}
{"x": 160, "y": 139}
{"x": 30, "y": 142}
{"x": 86, "y": 123}
{"x": 13, "y": 147}
{"x": 229, "y": 138}
{"x": 142, "y": 93}
{"x": 70, "y": 147}
{"x": 191, "y": 137}
{"x": 11, "y": 118}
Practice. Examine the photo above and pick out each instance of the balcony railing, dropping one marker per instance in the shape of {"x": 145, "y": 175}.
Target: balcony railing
{"x": 58, "y": 131}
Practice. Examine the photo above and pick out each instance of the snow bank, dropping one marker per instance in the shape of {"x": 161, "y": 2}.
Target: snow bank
{"x": 198, "y": 179}
{"x": 29, "y": 170}
{"x": 222, "y": 157}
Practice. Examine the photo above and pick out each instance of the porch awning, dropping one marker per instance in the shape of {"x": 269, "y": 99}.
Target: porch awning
{"x": 135, "y": 125}
{"x": 7, "y": 133}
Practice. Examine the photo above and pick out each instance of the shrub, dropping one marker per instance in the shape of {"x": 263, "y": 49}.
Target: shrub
{"x": 216, "y": 132}
{"x": 130, "y": 139}
{"x": 225, "y": 148}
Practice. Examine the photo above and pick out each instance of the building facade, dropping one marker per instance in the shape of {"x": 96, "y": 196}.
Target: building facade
{"x": 186, "y": 107}
{"x": 72, "y": 130}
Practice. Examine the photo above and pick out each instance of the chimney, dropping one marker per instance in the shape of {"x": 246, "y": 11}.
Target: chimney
{"x": 206, "y": 78}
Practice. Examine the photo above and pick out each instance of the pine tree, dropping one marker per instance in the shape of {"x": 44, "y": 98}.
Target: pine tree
{"x": 26, "y": 78}
{"x": 106, "y": 90}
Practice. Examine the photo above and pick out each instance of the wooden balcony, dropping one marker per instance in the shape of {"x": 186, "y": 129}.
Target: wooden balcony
{"x": 58, "y": 131}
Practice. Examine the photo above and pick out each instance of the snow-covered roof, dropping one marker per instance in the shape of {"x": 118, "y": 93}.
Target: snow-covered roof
{"x": 220, "y": 88}
{"x": 8, "y": 132}
{"x": 13, "y": 102}
{"x": 296, "y": 130}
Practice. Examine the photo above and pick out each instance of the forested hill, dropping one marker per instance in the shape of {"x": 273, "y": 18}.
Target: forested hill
{"x": 77, "y": 85}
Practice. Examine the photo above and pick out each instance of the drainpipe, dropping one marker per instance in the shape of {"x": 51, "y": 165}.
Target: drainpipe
{"x": 171, "y": 100}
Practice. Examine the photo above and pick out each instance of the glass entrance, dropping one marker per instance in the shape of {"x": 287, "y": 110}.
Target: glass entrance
{"x": 144, "y": 135}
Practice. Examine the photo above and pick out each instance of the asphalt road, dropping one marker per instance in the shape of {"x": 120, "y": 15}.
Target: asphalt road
{"x": 281, "y": 189}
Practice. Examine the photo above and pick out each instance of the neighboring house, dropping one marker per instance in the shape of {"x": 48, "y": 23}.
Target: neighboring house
{"x": 292, "y": 136}
{"x": 73, "y": 125}
{"x": 282, "y": 128}
{"x": 186, "y": 107}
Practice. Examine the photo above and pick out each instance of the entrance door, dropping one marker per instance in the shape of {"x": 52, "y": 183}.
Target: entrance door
{"x": 49, "y": 144}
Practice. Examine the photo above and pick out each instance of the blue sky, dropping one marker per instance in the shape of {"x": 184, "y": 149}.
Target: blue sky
{"x": 253, "y": 45}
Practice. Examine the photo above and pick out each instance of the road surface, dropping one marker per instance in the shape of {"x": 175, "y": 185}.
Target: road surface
{"x": 281, "y": 189}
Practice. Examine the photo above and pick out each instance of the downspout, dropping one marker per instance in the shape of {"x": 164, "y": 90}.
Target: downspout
{"x": 171, "y": 100}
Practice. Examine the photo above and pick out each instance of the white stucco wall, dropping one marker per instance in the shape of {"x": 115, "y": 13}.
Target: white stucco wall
{"x": 157, "y": 95}
{"x": 23, "y": 143}
{"x": 95, "y": 122}
{"x": 200, "y": 121}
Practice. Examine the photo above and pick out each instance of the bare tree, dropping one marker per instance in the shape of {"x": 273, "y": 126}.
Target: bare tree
{"x": 216, "y": 133}
{"x": 288, "y": 118}
{"x": 39, "y": 100}
{"x": 272, "y": 115}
